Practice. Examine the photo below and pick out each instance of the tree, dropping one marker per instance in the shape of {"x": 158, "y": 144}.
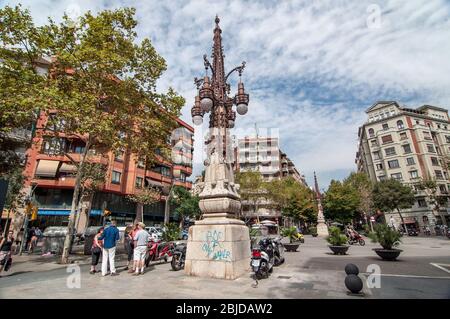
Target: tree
{"x": 102, "y": 86}
{"x": 186, "y": 204}
{"x": 341, "y": 201}
{"x": 390, "y": 194}
{"x": 14, "y": 195}
{"x": 364, "y": 187}
{"x": 252, "y": 188}
{"x": 295, "y": 200}
{"x": 435, "y": 198}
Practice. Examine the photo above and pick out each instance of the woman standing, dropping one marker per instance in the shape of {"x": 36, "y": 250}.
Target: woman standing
{"x": 5, "y": 249}
{"x": 96, "y": 250}
{"x": 129, "y": 245}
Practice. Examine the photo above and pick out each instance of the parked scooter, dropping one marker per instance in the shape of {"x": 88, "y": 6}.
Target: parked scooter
{"x": 278, "y": 249}
{"x": 263, "y": 259}
{"x": 178, "y": 256}
{"x": 158, "y": 250}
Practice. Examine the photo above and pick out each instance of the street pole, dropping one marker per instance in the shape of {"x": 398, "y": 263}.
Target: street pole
{"x": 25, "y": 223}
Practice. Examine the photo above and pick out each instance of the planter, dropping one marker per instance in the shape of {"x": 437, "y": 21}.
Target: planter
{"x": 339, "y": 250}
{"x": 291, "y": 246}
{"x": 388, "y": 254}
{"x": 314, "y": 235}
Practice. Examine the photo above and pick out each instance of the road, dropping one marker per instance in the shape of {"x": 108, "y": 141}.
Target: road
{"x": 422, "y": 271}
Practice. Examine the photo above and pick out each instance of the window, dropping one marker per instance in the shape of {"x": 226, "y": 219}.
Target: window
{"x": 434, "y": 161}
{"x": 382, "y": 177}
{"x": 414, "y": 174}
{"x": 447, "y": 138}
{"x": 374, "y": 142}
{"x": 376, "y": 155}
{"x": 386, "y": 139}
{"x": 53, "y": 145}
{"x": 141, "y": 163}
{"x": 115, "y": 178}
{"x": 119, "y": 156}
{"x": 397, "y": 176}
{"x": 139, "y": 182}
{"x": 390, "y": 151}
{"x": 430, "y": 148}
{"x": 371, "y": 132}
{"x": 163, "y": 170}
{"x": 379, "y": 167}
{"x": 426, "y": 135}
{"x": 385, "y": 126}
{"x": 403, "y": 136}
{"x": 438, "y": 174}
{"x": 393, "y": 164}
{"x": 410, "y": 161}
{"x": 406, "y": 148}
{"x": 400, "y": 125}
{"x": 443, "y": 189}
{"x": 421, "y": 203}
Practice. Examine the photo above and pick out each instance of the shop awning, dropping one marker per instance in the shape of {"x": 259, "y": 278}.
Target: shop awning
{"x": 67, "y": 168}
{"x": 47, "y": 168}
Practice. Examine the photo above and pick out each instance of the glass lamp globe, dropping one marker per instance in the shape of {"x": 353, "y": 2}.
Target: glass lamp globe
{"x": 242, "y": 109}
{"x": 197, "y": 119}
{"x": 206, "y": 104}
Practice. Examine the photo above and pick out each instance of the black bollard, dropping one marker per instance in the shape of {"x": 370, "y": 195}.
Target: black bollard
{"x": 353, "y": 283}
{"x": 351, "y": 269}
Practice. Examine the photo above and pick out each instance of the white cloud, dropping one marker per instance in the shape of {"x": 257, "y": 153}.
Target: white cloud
{"x": 313, "y": 66}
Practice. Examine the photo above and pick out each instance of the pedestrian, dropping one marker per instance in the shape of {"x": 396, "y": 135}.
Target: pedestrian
{"x": 32, "y": 239}
{"x": 109, "y": 236}
{"x": 141, "y": 240}
{"x": 129, "y": 246}
{"x": 19, "y": 239}
{"x": 6, "y": 247}
{"x": 96, "y": 250}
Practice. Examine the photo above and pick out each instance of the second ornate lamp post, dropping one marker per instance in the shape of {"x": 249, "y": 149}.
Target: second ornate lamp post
{"x": 219, "y": 244}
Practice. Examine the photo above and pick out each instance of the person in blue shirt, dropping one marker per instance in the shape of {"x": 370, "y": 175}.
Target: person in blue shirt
{"x": 109, "y": 236}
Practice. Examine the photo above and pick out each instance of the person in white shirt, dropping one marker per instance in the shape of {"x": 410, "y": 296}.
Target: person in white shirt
{"x": 141, "y": 239}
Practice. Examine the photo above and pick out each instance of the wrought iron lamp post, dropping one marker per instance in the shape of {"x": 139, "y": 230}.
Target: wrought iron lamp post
{"x": 219, "y": 244}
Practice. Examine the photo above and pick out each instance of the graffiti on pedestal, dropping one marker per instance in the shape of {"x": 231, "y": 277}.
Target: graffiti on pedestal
{"x": 214, "y": 248}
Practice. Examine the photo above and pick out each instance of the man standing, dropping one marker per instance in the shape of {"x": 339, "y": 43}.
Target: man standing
{"x": 109, "y": 236}
{"x": 141, "y": 239}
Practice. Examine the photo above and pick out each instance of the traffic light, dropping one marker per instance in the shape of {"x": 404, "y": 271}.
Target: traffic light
{"x": 34, "y": 213}
{"x": 28, "y": 209}
{"x": 106, "y": 212}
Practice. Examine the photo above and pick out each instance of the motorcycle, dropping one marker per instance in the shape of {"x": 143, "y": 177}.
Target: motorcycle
{"x": 356, "y": 238}
{"x": 178, "y": 256}
{"x": 278, "y": 249}
{"x": 262, "y": 259}
{"x": 158, "y": 250}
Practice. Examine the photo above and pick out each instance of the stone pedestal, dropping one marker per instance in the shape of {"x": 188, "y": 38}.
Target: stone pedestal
{"x": 218, "y": 248}
{"x": 322, "y": 228}
{"x": 219, "y": 245}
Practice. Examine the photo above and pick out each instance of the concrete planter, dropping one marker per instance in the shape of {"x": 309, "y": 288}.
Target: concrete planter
{"x": 339, "y": 250}
{"x": 388, "y": 254}
{"x": 291, "y": 247}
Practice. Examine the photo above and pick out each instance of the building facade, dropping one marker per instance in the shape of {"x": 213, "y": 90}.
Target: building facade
{"x": 53, "y": 178}
{"x": 409, "y": 145}
{"x": 263, "y": 154}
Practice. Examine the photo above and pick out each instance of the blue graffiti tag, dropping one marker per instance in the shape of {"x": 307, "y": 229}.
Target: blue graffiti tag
{"x": 213, "y": 247}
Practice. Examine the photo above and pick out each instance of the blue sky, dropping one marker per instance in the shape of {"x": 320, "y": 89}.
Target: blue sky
{"x": 313, "y": 67}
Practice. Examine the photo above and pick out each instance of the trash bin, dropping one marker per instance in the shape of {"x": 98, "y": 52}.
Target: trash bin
{"x": 89, "y": 234}
{"x": 54, "y": 237}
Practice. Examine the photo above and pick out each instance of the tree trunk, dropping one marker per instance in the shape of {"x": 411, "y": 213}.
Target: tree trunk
{"x": 76, "y": 193}
{"x": 403, "y": 222}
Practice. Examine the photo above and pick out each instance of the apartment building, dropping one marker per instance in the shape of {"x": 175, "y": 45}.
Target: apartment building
{"x": 263, "y": 154}
{"x": 408, "y": 145}
{"x": 53, "y": 177}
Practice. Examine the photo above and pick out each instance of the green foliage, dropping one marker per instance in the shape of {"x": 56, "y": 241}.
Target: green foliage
{"x": 391, "y": 194}
{"x": 312, "y": 230}
{"x": 385, "y": 236}
{"x": 336, "y": 238}
{"x": 252, "y": 188}
{"x": 186, "y": 204}
{"x": 171, "y": 232}
{"x": 92, "y": 177}
{"x": 291, "y": 233}
{"x": 145, "y": 196}
{"x": 14, "y": 197}
{"x": 364, "y": 187}
{"x": 293, "y": 199}
{"x": 341, "y": 201}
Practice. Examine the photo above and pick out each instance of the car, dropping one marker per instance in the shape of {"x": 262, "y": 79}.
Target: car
{"x": 155, "y": 232}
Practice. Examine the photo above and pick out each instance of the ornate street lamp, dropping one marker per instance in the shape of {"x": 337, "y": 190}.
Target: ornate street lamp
{"x": 219, "y": 244}
{"x": 213, "y": 93}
